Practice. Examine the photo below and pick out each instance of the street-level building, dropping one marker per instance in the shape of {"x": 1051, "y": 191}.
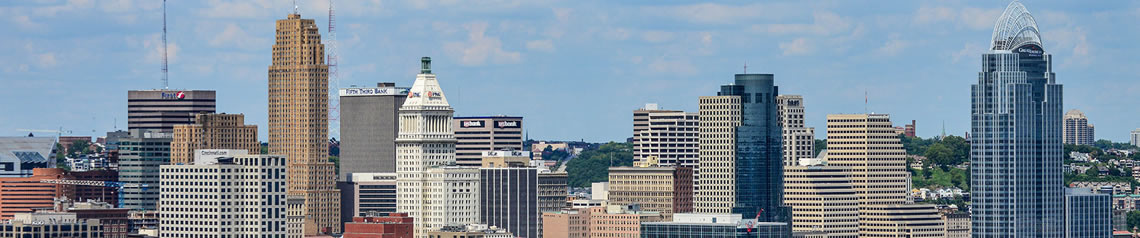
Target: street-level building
{"x": 369, "y": 117}
{"x": 689, "y": 225}
{"x": 470, "y": 231}
{"x": 609, "y": 221}
{"x": 48, "y": 224}
{"x": 382, "y": 225}
{"x": 475, "y": 135}
{"x": 242, "y": 196}
{"x": 160, "y": 109}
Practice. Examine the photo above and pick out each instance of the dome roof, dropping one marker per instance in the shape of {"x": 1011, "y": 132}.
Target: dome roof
{"x": 1015, "y": 28}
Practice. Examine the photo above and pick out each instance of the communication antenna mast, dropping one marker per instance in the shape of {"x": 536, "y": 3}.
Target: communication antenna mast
{"x": 165, "y": 76}
{"x": 334, "y": 76}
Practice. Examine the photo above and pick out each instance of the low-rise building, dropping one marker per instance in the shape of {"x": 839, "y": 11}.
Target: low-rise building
{"x": 386, "y": 225}
{"x": 26, "y": 194}
{"x": 611, "y": 221}
{"x": 1117, "y": 187}
{"x": 470, "y": 231}
{"x": 666, "y": 190}
{"x": 20, "y": 155}
{"x": 957, "y": 224}
{"x": 50, "y": 224}
{"x": 686, "y": 225}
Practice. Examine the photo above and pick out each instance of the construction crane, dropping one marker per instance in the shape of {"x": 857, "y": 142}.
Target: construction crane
{"x": 112, "y": 184}
{"x": 757, "y": 220}
{"x": 334, "y": 75}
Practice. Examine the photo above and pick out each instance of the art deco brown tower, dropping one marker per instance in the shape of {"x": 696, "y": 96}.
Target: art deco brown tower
{"x": 298, "y": 121}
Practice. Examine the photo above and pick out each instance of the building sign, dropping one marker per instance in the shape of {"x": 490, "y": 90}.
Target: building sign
{"x": 507, "y": 124}
{"x": 210, "y": 156}
{"x": 1031, "y": 50}
{"x": 173, "y": 95}
{"x": 471, "y": 124}
{"x": 349, "y": 92}
{"x": 506, "y": 153}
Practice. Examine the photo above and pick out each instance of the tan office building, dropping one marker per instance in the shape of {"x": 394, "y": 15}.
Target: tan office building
{"x": 716, "y": 186}
{"x": 799, "y": 140}
{"x": 822, "y": 200}
{"x": 610, "y": 221}
{"x": 869, "y": 145}
{"x": 667, "y": 190}
{"x": 213, "y": 131}
{"x": 475, "y": 135}
{"x": 298, "y": 121}
{"x": 669, "y": 135}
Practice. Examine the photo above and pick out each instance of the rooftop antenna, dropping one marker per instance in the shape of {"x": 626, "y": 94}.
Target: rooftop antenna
{"x": 334, "y": 75}
{"x": 165, "y": 69}
{"x": 866, "y": 101}
{"x": 745, "y": 67}
{"x": 295, "y": 11}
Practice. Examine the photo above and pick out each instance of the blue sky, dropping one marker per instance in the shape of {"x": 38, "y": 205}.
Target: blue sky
{"x": 574, "y": 69}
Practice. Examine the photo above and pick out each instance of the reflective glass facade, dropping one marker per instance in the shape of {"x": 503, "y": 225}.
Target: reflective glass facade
{"x": 759, "y": 149}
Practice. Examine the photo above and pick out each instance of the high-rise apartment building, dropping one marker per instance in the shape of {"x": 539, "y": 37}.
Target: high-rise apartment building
{"x": 716, "y": 190}
{"x": 870, "y": 147}
{"x": 1078, "y": 130}
{"x": 160, "y": 110}
{"x": 799, "y": 140}
{"x": 368, "y": 121}
{"x": 241, "y": 196}
{"x": 475, "y": 135}
{"x": 670, "y": 136}
{"x": 212, "y": 131}
{"x": 1087, "y": 214}
{"x": 666, "y": 190}
{"x": 823, "y": 199}
{"x": 508, "y": 198}
{"x": 1135, "y": 137}
{"x": 428, "y": 189}
{"x": 366, "y": 194}
{"x": 298, "y": 121}
{"x": 139, "y": 159}
{"x": 1015, "y": 136}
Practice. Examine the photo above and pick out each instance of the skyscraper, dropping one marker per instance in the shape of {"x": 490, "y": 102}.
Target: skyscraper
{"x": 428, "y": 187}
{"x": 475, "y": 135}
{"x": 669, "y": 135}
{"x": 759, "y": 163}
{"x": 199, "y": 200}
{"x": 1078, "y": 130}
{"x": 1015, "y": 137}
{"x": 298, "y": 121}
{"x": 368, "y": 121}
{"x": 160, "y": 110}
{"x": 719, "y": 117}
{"x": 508, "y": 199}
{"x": 139, "y": 159}
{"x": 799, "y": 141}
{"x": 1135, "y": 135}
{"x": 213, "y": 131}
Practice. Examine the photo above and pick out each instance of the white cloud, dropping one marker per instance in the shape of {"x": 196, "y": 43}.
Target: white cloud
{"x": 893, "y": 46}
{"x": 799, "y": 46}
{"x": 706, "y": 38}
{"x": 153, "y": 45}
{"x": 563, "y": 14}
{"x": 479, "y": 47}
{"x": 970, "y": 49}
{"x": 1074, "y": 40}
{"x": 237, "y": 9}
{"x": 683, "y": 67}
{"x": 540, "y": 45}
{"x": 824, "y": 23}
{"x": 71, "y": 5}
{"x": 233, "y": 36}
{"x": 715, "y": 13}
{"x": 657, "y": 36}
{"x": 25, "y": 22}
{"x": 618, "y": 33}
{"x": 969, "y": 17}
{"x": 46, "y": 60}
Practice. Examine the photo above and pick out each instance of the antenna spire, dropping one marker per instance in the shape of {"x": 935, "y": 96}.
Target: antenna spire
{"x": 295, "y": 8}
{"x": 165, "y": 68}
{"x": 332, "y": 61}
{"x": 746, "y": 67}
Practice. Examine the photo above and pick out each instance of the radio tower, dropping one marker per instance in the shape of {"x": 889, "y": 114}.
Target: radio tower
{"x": 165, "y": 77}
{"x": 334, "y": 81}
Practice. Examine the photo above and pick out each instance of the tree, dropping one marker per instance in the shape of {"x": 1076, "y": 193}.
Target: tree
{"x": 79, "y": 147}
{"x": 592, "y": 165}
{"x": 820, "y": 145}
{"x": 1133, "y": 220}
{"x": 939, "y": 154}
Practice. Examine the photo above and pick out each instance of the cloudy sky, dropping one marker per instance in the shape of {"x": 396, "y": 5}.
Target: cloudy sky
{"x": 574, "y": 69}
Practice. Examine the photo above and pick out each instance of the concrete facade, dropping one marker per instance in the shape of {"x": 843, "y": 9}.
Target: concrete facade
{"x": 610, "y": 221}
{"x": 823, "y": 200}
{"x": 670, "y": 136}
{"x": 368, "y": 121}
{"x": 159, "y": 110}
{"x": 666, "y": 190}
{"x": 1078, "y": 130}
{"x": 475, "y": 135}
{"x": 299, "y": 123}
{"x": 239, "y": 196}
{"x": 716, "y": 188}
{"x": 212, "y": 131}
{"x": 19, "y": 156}
{"x": 799, "y": 140}
{"x": 367, "y": 193}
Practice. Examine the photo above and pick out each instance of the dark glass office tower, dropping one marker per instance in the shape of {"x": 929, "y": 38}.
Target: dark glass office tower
{"x": 759, "y": 149}
{"x": 1015, "y": 139}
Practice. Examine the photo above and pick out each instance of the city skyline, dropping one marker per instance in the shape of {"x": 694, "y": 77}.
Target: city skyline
{"x": 534, "y": 60}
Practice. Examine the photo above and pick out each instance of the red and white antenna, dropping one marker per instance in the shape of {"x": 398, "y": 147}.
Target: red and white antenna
{"x": 334, "y": 76}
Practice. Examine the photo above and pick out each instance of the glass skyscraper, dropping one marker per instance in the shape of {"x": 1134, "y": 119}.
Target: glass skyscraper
{"x": 759, "y": 149}
{"x": 1015, "y": 140}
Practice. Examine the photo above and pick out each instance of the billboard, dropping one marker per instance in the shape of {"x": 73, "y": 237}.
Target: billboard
{"x": 471, "y": 124}
{"x": 508, "y": 124}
